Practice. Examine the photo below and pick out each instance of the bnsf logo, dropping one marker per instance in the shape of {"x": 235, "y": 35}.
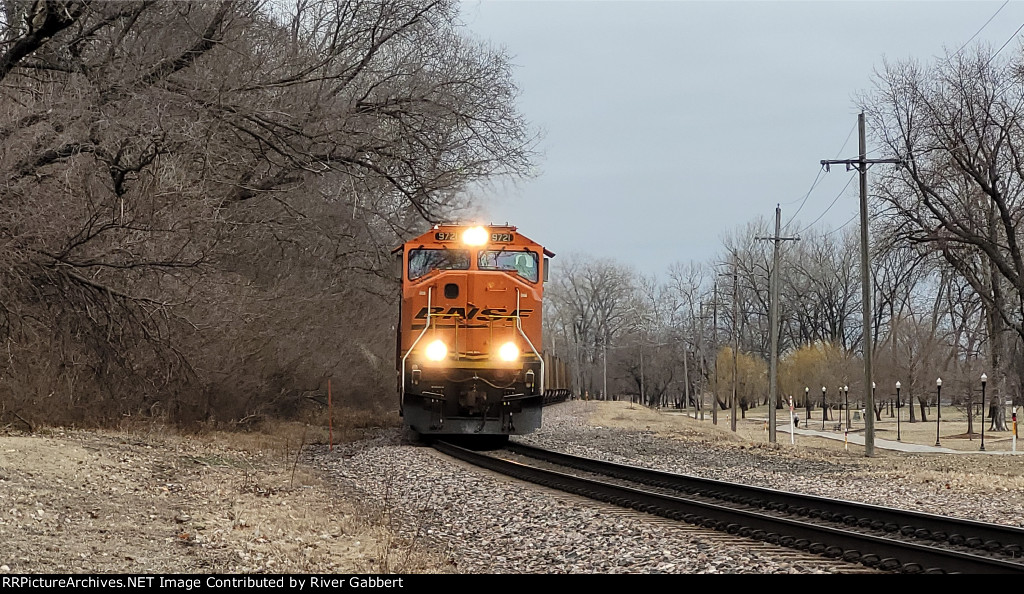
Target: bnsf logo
{"x": 473, "y": 314}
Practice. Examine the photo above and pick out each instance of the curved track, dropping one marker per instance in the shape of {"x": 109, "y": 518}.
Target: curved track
{"x": 881, "y": 538}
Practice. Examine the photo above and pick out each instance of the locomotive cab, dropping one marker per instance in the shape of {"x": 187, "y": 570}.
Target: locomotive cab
{"x": 470, "y": 330}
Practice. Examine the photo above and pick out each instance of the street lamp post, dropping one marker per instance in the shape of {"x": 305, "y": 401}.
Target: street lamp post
{"x": 846, "y": 390}
{"x": 839, "y": 391}
{"x": 984, "y": 379}
{"x": 899, "y": 404}
{"x": 841, "y": 405}
{"x": 807, "y": 403}
{"x": 938, "y": 408}
{"x": 823, "y": 408}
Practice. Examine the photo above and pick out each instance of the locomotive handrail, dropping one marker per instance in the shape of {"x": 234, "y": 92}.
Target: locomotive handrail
{"x": 519, "y": 326}
{"x": 426, "y": 326}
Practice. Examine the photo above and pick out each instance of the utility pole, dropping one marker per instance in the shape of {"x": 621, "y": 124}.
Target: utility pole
{"x": 604, "y": 389}
{"x": 774, "y": 330}
{"x": 735, "y": 341}
{"x": 861, "y": 164}
{"x": 714, "y": 345}
{"x": 699, "y": 404}
{"x": 643, "y": 392}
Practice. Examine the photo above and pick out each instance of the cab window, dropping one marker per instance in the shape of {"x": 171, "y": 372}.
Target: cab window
{"x": 422, "y": 261}
{"x": 524, "y": 263}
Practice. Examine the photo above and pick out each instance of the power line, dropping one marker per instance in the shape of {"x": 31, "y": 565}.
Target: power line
{"x": 841, "y": 227}
{"x": 814, "y": 184}
{"x": 834, "y": 200}
{"x": 1005, "y": 44}
{"x": 804, "y": 198}
{"x": 817, "y": 178}
{"x": 978, "y": 32}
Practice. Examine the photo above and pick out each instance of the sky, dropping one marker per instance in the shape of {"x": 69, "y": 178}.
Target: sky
{"x": 667, "y": 125}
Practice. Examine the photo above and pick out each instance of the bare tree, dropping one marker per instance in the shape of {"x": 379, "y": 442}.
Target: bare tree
{"x": 200, "y": 197}
{"x": 821, "y": 274}
{"x": 957, "y": 127}
{"x": 590, "y": 304}
{"x": 683, "y": 294}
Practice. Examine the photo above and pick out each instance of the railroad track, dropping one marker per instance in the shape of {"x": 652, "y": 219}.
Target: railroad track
{"x": 880, "y": 538}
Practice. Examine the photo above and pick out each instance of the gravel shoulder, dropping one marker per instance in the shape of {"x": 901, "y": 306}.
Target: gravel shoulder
{"x": 97, "y": 502}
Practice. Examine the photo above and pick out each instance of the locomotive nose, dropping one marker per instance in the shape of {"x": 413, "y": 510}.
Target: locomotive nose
{"x": 471, "y": 329}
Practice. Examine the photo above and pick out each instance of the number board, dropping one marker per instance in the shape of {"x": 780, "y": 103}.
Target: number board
{"x": 498, "y": 237}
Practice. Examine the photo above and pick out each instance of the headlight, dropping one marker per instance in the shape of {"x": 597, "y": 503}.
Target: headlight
{"x": 508, "y": 352}
{"x": 437, "y": 350}
{"x": 474, "y": 236}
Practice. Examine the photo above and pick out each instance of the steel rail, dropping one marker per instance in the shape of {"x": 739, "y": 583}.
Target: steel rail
{"x": 830, "y": 541}
{"x": 1006, "y": 540}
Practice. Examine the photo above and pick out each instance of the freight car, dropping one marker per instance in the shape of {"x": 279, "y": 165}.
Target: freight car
{"x": 469, "y": 341}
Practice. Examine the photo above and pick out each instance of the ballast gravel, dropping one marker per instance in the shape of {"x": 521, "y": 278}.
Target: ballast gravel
{"x": 485, "y": 523}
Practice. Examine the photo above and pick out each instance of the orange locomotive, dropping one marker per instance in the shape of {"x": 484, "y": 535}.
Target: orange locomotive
{"x": 469, "y": 336}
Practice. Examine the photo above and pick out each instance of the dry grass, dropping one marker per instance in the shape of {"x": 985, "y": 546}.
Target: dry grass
{"x": 983, "y": 472}
{"x": 753, "y": 427}
{"x": 951, "y": 432}
{"x": 276, "y": 438}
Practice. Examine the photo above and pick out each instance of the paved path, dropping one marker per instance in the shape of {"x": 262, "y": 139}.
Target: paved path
{"x": 782, "y": 433}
